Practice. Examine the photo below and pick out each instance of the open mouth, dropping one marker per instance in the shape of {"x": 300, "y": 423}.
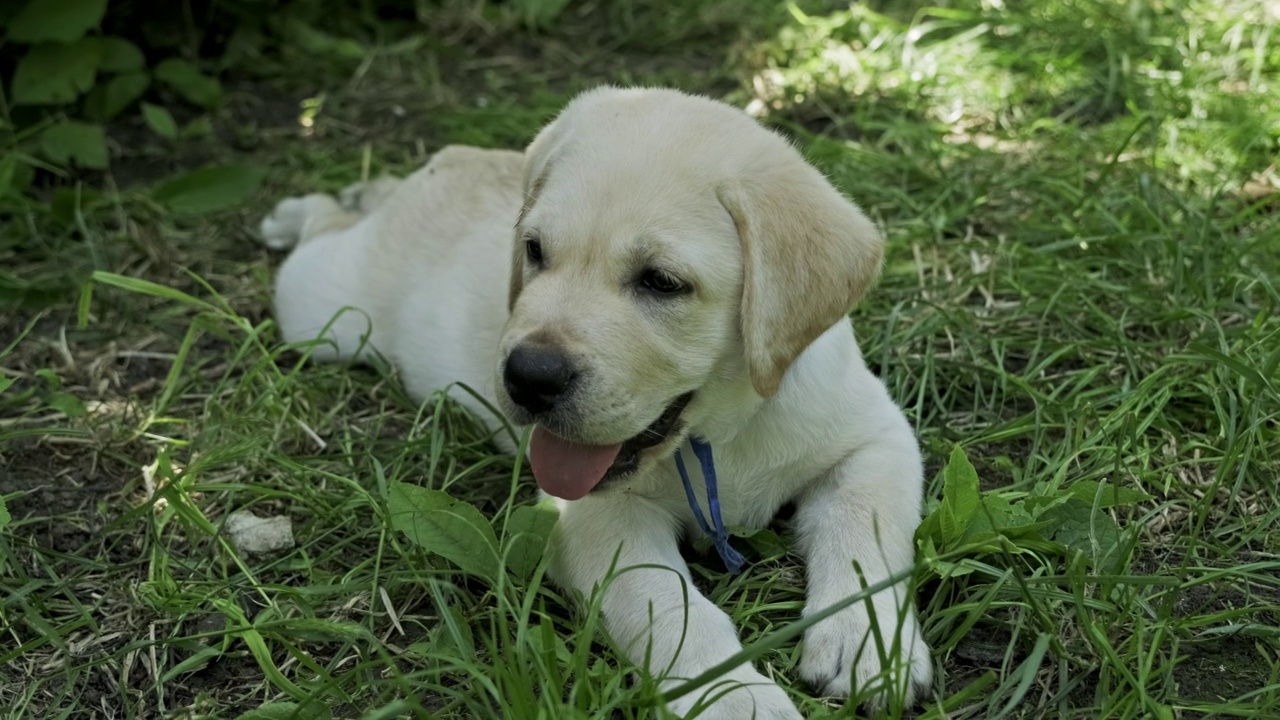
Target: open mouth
{"x": 628, "y": 460}
{"x": 570, "y": 470}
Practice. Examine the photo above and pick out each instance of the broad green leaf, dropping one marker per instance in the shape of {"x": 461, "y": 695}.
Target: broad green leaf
{"x": 119, "y": 55}
{"x": 1045, "y": 496}
{"x": 952, "y": 528}
{"x": 453, "y": 636}
{"x": 997, "y": 513}
{"x": 67, "y": 404}
{"x": 286, "y": 710}
{"x": 109, "y": 99}
{"x": 527, "y": 533}
{"x": 75, "y": 142}
{"x": 946, "y": 569}
{"x": 50, "y": 378}
{"x": 200, "y": 127}
{"x": 209, "y": 188}
{"x": 160, "y": 121}
{"x": 1110, "y": 496}
{"x": 545, "y": 640}
{"x": 986, "y": 542}
{"x": 1080, "y": 526}
{"x": 54, "y": 74}
{"x": 960, "y": 495}
{"x": 447, "y": 527}
{"x": 763, "y": 542}
{"x": 930, "y": 530}
{"x": 5, "y": 517}
{"x": 766, "y": 543}
{"x": 187, "y": 80}
{"x": 420, "y": 649}
{"x": 56, "y": 20}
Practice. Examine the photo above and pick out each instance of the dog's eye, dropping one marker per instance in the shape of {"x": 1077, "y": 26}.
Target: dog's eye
{"x": 533, "y": 250}
{"x": 661, "y": 283}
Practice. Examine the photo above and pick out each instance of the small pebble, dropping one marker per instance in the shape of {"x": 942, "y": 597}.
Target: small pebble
{"x": 255, "y": 535}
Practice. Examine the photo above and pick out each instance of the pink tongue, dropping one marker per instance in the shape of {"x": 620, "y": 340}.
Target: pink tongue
{"x": 566, "y": 469}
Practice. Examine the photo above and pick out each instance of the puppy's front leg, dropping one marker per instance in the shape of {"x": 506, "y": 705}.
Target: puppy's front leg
{"x": 645, "y": 606}
{"x": 865, "y": 511}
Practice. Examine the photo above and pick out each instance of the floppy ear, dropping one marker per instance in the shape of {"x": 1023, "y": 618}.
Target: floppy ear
{"x": 537, "y": 162}
{"x": 808, "y": 256}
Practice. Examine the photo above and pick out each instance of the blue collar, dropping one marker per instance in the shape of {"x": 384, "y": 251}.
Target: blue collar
{"x": 733, "y": 560}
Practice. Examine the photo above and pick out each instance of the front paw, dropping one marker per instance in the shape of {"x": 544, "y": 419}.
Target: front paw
{"x": 287, "y": 223}
{"x": 281, "y": 229}
{"x": 737, "y": 696}
{"x": 843, "y": 649}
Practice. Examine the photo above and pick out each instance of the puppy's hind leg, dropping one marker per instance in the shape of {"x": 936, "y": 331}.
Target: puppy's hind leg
{"x": 296, "y": 220}
{"x": 321, "y": 292}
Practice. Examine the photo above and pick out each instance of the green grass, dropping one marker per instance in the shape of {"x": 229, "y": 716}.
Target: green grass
{"x": 1081, "y": 291}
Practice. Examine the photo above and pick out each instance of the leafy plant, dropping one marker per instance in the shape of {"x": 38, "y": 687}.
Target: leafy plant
{"x": 1063, "y": 519}
{"x": 71, "y": 78}
{"x": 459, "y": 533}
{"x": 209, "y": 188}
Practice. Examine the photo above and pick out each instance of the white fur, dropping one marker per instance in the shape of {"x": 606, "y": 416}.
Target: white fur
{"x": 425, "y": 266}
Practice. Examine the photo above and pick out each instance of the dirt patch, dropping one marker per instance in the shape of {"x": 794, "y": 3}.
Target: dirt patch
{"x": 231, "y": 679}
{"x": 59, "y": 486}
{"x": 1216, "y": 671}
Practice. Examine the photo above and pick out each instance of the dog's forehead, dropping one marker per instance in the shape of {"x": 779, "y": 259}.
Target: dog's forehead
{"x": 636, "y": 172}
{"x": 613, "y": 115}
{"x": 661, "y": 134}
{"x": 625, "y": 198}
{"x": 637, "y": 216}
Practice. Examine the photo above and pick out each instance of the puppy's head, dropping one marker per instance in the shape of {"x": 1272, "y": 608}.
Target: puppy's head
{"x": 667, "y": 242}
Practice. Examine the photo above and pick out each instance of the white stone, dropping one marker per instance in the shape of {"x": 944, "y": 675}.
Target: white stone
{"x": 255, "y": 535}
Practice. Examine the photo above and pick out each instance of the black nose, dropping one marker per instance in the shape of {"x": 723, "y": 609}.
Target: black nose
{"x": 536, "y": 376}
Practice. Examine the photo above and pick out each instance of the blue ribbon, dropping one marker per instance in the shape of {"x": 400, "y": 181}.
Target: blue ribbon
{"x": 733, "y": 560}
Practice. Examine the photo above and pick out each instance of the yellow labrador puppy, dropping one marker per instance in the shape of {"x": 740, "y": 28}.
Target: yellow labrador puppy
{"x": 676, "y": 273}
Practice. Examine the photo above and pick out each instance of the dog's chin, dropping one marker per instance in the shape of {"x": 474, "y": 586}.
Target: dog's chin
{"x": 655, "y": 443}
